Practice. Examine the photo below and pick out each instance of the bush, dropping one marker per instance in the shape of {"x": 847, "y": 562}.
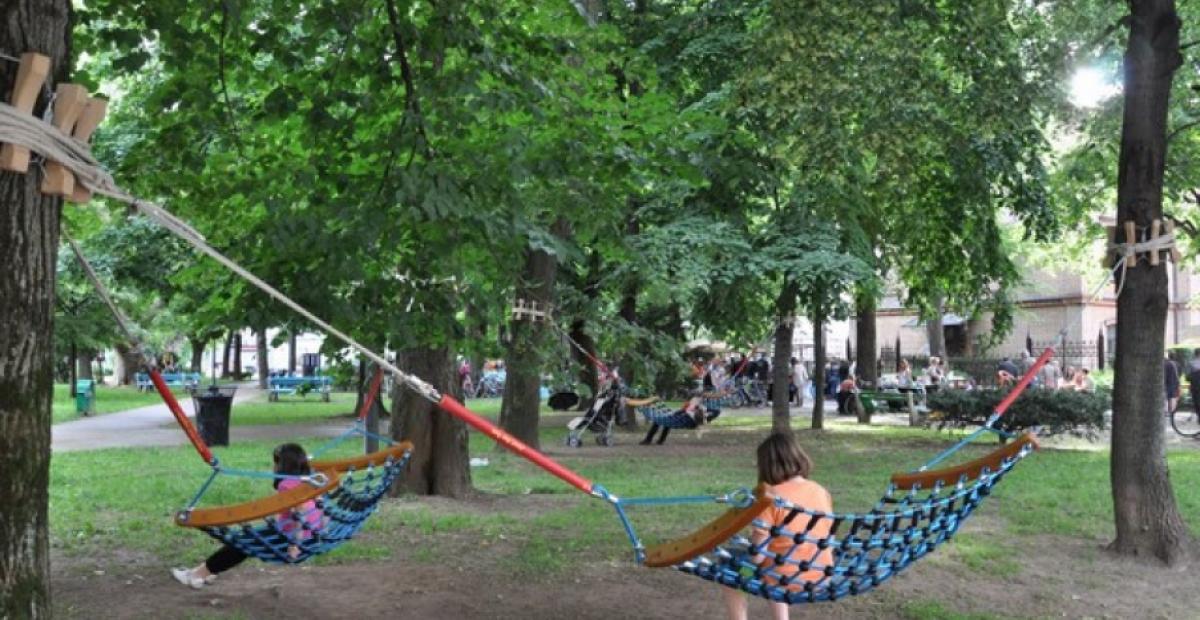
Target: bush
{"x": 1056, "y": 411}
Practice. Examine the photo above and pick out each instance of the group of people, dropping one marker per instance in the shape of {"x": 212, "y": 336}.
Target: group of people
{"x": 1173, "y": 384}
{"x": 1008, "y": 372}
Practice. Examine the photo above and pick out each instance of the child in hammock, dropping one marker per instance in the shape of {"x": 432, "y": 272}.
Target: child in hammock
{"x": 692, "y": 415}
{"x": 297, "y": 523}
{"x": 784, "y": 465}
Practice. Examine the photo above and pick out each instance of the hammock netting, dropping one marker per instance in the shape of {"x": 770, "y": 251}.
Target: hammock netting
{"x": 861, "y": 550}
{"x": 340, "y": 512}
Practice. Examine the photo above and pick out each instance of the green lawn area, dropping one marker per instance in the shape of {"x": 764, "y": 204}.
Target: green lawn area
{"x": 108, "y": 400}
{"x": 310, "y": 409}
{"x": 1063, "y": 492}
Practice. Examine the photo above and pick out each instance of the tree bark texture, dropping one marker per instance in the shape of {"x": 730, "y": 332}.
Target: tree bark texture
{"x": 263, "y": 353}
{"x": 523, "y": 360}
{"x": 818, "y": 373}
{"x": 227, "y": 358}
{"x": 935, "y": 332}
{"x": 28, "y": 251}
{"x": 237, "y": 355}
{"x": 292, "y": 353}
{"x": 588, "y": 375}
{"x": 781, "y": 365}
{"x": 868, "y": 351}
{"x": 440, "y": 463}
{"x": 1147, "y": 518}
{"x": 198, "y": 344}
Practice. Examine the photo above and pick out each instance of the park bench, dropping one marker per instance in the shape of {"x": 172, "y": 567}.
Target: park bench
{"x": 172, "y": 379}
{"x": 301, "y": 385}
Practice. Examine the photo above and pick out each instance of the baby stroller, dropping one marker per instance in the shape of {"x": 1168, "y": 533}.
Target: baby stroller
{"x": 600, "y": 417}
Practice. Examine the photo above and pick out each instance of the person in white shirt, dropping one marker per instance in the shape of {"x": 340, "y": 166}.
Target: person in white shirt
{"x": 799, "y": 380}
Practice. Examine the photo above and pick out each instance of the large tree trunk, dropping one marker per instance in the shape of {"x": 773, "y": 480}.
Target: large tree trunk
{"x": 781, "y": 405}
{"x": 292, "y": 353}
{"x": 867, "y": 362}
{"x": 935, "y": 332}
{"x": 440, "y": 464}
{"x": 523, "y": 361}
{"x": 28, "y": 251}
{"x": 72, "y": 367}
{"x": 818, "y": 373}
{"x": 1147, "y": 518}
{"x": 227, "y": 358}
{"x": 588, "y": 375}
{"x": 237, "y": 354}
{"x": 198, "y": 344}
{"x": 129, "y": 362}
{"x": 263, "y": 352}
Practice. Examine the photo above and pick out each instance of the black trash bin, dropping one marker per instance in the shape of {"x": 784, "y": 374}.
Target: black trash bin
{"x": 212, "y": 406}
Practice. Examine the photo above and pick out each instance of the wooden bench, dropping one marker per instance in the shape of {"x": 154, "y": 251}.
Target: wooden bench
{"x": 300, "y": 385}
{"x": 172, "y": 379}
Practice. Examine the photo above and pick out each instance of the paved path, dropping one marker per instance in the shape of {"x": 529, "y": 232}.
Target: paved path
{"x": 155, "y": 426}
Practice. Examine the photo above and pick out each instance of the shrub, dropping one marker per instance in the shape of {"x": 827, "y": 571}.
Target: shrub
{"x": 1056, "y": 411}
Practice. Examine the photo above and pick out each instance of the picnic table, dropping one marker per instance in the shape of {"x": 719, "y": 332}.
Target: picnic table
{"x": 299, "y": 385}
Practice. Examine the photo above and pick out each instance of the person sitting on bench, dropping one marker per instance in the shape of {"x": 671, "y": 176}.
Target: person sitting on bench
{"x": 692, "y": 415}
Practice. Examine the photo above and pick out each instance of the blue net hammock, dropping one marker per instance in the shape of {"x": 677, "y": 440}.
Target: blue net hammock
{"x": 656, "y": 413}
{"x": 814, "y": 556}
{"x": 326, "y": 510}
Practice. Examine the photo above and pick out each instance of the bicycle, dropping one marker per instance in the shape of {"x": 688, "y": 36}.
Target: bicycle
{"x": 1185, "y": 420}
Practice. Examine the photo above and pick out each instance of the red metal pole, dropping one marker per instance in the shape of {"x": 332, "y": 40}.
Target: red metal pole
{"x": 1024, "y": 382}
{"x": 176, "y": 410}
{"x": 520, "y": 448}
{"x": 376, "y": 381}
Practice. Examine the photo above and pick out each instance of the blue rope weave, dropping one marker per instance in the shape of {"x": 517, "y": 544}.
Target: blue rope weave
{"x": 867, "y": 549}
{"x": 666, "y": 418}
{"x": 344, "y": 511}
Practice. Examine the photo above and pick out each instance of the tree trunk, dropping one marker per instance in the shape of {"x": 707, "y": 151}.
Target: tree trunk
{"x": 588, "y": 375}
{"x": 84, "y": 361}
{"x": 28, "y": 250}
{"x": 440, "y": 464}
{"x": 227, "y": 358}
{"x": 935, "y": 332}
{"x": 868, "y": 364}
{"x": 198, "y": 344}
{"x": 71, "y": 369}
{"x": 237, "y": 354}
{"x": 263, "y": 352}
{"x": 628, "y": 312}
{"x": 130, "y": 362}
{"x": 1147, "y": 519}
{"x": 781, "y": 404}
{"x": 818, "y": 373}
{"x": 523, "y": 361}
{"x": 292, "y": 353}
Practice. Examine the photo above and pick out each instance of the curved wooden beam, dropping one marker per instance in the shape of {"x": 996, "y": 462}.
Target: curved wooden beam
{"x": 709, "y": 536}
{"x": 971, "y": 469}
{"x": 378, "y": 457}
{"x": 255, "y": 509}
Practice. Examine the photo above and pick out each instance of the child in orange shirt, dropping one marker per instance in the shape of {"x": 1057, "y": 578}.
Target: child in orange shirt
{"x": 783, "y": 465}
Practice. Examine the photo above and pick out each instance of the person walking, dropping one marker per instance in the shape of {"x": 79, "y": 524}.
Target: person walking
{"x": 1170, "y": 385}
{"x": 799, "y": 380}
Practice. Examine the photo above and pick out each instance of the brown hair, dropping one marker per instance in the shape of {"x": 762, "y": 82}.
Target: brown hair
{"x": 780, "y": 458}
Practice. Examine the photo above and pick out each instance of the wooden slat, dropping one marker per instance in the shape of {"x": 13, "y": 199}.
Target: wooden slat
{"x": 708, "y": 537}
{"x": 30, "y": 76}
{"x": 971, "y": 469}
{"x": 256, "y": 509}
{"x": 641, "y": 402}
{"x": 379, "y": 457}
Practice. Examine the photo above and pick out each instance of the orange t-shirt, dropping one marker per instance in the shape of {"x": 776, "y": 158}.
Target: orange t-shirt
{"x": 805, "y": 494}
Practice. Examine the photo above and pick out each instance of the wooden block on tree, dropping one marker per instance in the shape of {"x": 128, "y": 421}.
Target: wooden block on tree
{"x": 1155, "y": 227}
{"x": 30, "y": 76}
{"x": 69, "y": 102}
{"x": 1130, "y": 239}
{"x": 89, "y": 120}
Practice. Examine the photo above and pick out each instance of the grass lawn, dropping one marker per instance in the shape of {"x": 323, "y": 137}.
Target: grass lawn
{"x": 108, "y": 400}
{"x": 551, "y": 531}
{"x": 310, "y": 409}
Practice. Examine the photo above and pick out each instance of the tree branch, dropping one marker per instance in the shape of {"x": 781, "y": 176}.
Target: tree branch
{"x": 1189, "y": 44}
{"x": 411, "y": 102}
{"x": 1182, "y": 128}
{"x": 231, "y": 119}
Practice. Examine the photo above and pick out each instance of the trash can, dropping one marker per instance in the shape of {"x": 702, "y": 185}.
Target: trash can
{"x": 85, "y": 397}
{"x": 212, "y": 405}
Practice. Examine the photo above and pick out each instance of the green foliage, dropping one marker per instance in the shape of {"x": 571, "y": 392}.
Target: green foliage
{"x": 1055, "y": 412}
